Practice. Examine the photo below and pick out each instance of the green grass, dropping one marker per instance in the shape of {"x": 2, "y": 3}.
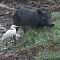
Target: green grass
{"x": 45, "y": 37}
{"x": 44, "y": 34}
{"x": 50, "y": 1}
{"x": 50, "y": 56}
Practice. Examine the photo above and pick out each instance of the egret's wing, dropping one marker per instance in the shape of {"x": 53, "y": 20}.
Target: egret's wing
{"x": 8, "y": 34}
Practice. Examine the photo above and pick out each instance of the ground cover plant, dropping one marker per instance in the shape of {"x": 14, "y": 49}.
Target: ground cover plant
{"x": 43, "y": 43}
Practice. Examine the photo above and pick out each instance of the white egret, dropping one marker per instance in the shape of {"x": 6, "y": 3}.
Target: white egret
{"x": 10, "y": 33}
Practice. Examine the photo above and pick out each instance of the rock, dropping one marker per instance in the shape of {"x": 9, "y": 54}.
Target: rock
{"x": 2, "y": 27}
{"x": 46, "y": 5}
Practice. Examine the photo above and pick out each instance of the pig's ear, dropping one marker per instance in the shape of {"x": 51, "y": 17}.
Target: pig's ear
{"x": 40, "y": 12}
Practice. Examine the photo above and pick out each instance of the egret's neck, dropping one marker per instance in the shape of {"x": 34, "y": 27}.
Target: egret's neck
{"x": 13, "y": 29}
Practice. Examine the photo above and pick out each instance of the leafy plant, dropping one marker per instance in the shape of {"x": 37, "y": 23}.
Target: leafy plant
{"x": 44, "y": 38}
{"x": 50, "y": 1}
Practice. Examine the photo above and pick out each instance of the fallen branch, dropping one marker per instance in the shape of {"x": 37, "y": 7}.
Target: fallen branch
{"x": 7, "y": 7}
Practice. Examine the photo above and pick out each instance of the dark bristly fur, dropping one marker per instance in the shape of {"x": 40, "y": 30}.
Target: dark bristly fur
{"x": 33, "y": 18}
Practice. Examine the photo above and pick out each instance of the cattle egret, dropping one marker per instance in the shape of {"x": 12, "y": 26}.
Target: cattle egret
{"x": 10, "y": 33}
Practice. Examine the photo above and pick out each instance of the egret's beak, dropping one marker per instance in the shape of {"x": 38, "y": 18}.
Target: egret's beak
{"x": 17, "y": 26}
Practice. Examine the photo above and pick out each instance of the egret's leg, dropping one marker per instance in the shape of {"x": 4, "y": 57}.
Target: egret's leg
{"x": 6, "y": 44}
{"x": 14, "y": 37}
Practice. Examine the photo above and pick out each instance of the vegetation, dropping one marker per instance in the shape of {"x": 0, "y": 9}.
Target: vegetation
{"x": 46, "y": 40}
{"x": 42, "y": 43}
{"x": 43, "y": 1}
{"x": 50, "y": 1}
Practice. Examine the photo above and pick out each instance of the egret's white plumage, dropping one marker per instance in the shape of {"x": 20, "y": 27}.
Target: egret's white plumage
{"x": 10, "y": 33}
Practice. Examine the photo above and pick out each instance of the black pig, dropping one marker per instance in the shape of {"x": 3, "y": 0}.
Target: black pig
{"x": 33, "y": 18}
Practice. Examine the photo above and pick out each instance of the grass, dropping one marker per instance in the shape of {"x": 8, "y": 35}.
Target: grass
{"x": 47, "y": 40}
{"x": 50, "y": 1}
